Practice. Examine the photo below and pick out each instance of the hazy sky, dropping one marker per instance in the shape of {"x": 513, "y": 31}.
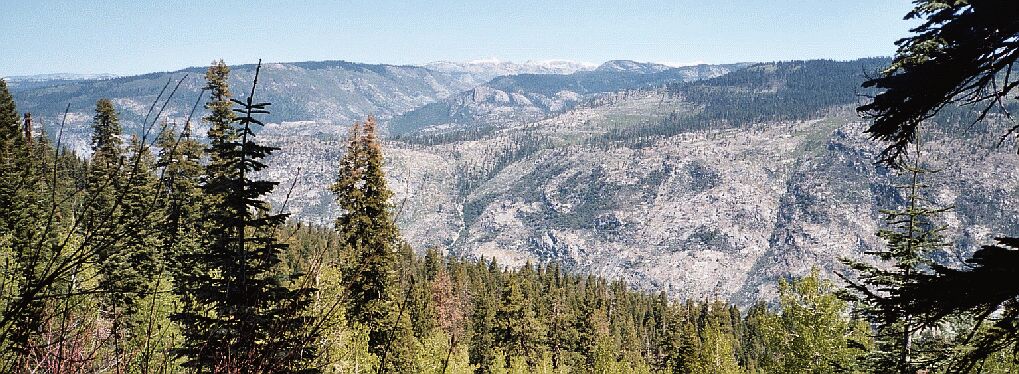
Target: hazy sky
{"x": 129, "y": 37}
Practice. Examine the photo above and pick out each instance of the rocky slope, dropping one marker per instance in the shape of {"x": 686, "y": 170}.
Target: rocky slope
{"x": 669, "y": 192}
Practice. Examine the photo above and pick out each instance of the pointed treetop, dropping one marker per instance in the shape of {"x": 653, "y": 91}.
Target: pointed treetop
{"x": 106, "y": 129}
{"x": 216, "y": 79}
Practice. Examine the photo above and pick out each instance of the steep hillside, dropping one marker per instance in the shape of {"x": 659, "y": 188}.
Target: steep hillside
{"x": 669, "y": 190}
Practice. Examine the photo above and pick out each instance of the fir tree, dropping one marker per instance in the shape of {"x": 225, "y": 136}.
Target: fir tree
{"x": 370, "y": 237}
{"x": 10, "y": 126}
{"x": 962, "y": 53}
{"x": 106, "y": 131}
{"x": 562, "y": 334}
{"x": 220, "y": 117}
{"x": 179, "y": 159}
{"x": 252, "y": 322}
{"x": 104, "y": 181}
{"x": 482, "y": 350}
{"x": 118, "y": 223}
{"x": 516, "y": 328}
{"x": 717, "y": 350}
{"x": 130, "y": 267}
{"x": 20, "y": 213}
{"x": 12, "y": 158}
{"x": 910, "y": 237}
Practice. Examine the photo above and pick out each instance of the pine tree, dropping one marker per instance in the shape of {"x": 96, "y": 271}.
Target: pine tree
{"x": 910, "y": 237}
{"x": 133, "y": 264}
{"x": 516, "y": 328}
{"x": 596, "y": 343}
{"x": 10, "y": 124}
{"x": 118, "y": 222}
{"x": 106, "y": 131}
{"x": 252, "y": 322}
{"x": 21, "y": 209}
{"x": 370, "y": 238}
{"x": 104, "y": 181}
{"x": 179, "y": 159}
{"x": 220, "y": 117}
{"x": 717, "y": 351}
{"x": 482, "y": 350}
{"x": 562, "y": 334}
{"x": 12, "y": 158}
{"x": 962, "y": 53}
{"x": 757, "y": 351}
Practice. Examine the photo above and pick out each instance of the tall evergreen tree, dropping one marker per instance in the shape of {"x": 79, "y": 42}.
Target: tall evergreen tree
{"x": 252, "y": 322}
{"x": 220, "y": 117}
{"x": 118, "y": 223}
{"x": 962, "y": 52}
{"x": 106, "y": 131}
{"x": 21, "y": 209}
{"x": 482, "y": 352}
{"x": 10, "y": 126}
{"x": 370, "y": 240}
{"x": 12, "y": 159}
{"x": 910, "y": 237}
{"x": 516, "y": 328}
{"x": 130, "y": 270}
{"x": 717, "y": 353}
{"x": 104, "y": 179}
{"x": 179, "y": 159}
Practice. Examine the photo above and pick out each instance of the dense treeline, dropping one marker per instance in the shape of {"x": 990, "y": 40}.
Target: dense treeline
{"x": 478, "y": 315}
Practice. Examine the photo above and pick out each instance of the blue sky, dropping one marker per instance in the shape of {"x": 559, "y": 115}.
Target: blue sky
{"x": 130, "y": 37}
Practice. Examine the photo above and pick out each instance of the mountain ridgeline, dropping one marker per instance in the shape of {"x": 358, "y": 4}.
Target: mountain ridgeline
{"x": 523, "y": 98}
{"x": 332, "y": 91}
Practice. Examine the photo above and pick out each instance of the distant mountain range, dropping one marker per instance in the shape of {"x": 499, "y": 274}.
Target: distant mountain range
{"x": 332, "y": 91}
{"x": 57, "y": 77}
{"x": 701, "y": 181}
{"x": 336, "y": 92}
{"x": 520, "y": 98}
{"x": 488, "y": 69}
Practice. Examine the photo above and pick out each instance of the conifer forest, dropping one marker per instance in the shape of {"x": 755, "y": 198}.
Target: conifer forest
{"x": 161, "y": 223}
